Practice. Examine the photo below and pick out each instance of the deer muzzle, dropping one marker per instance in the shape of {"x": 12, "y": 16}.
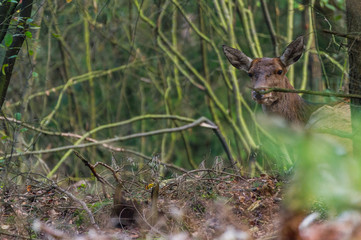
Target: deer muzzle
{"x": 260, "y": 97}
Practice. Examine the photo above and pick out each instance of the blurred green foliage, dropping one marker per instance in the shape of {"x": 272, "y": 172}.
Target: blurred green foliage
{"x": 325, "y": 178}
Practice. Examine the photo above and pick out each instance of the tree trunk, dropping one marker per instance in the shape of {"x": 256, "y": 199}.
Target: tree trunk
{"x": 353, "y": 14}
{"x": 14, "y": 48}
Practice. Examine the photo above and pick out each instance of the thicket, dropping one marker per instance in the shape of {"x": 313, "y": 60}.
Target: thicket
{"x": 138, "y": 82}
{"x": 102, "y": 69}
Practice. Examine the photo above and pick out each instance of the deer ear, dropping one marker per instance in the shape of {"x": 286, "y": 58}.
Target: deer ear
{"x": 293, "y": 52}
{"x": 237, "y": 58}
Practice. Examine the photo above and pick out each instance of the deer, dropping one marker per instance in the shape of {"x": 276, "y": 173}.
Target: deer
{"x": 266, "y": 73}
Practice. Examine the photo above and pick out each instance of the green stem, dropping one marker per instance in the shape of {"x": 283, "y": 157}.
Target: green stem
{"x": 236, "y": 91}
{"x": 111, "y": 126}
{"x": 308, "y": 45}
{"x": 174, "y": 42}
{"x": 78, "y": 79}
{"x": 290, "y": 17}
{"x": 220, "y": 15}
{"x": 208, "y": 40}
{"x": 327, "y": 82}
{"x": 270, "y": 27}
{"x": 254, "y": 33}
{"x": 246, "y": 25}
{"x": 213, "y": 97}
{"x": 204, "y": 55}
{"x": 167, "y": 101}
{"x": 91, "y": 82}
{"x": 206, "y": 85}
{"x": 332, "y": 60}
{"x": 202, "y": 122}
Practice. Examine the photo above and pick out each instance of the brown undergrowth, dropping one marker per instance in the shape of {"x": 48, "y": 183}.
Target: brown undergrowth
{"x": 199, "y": 204}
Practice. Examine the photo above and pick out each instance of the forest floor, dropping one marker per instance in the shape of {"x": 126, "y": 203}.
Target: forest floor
{"x": 198, "y": 207}
{"x": 193, "y": 208}
{"x": 197, "y": 204}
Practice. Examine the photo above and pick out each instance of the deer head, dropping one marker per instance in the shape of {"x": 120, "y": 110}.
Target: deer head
{"x": 267, "y": 72}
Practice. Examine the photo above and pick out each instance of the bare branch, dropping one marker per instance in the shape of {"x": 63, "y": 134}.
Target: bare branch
{"x": 92, "y": 169}
{"x": 325, "y": 94}
{"x": 344, "y": 35}
{"x": 196, "y": 123}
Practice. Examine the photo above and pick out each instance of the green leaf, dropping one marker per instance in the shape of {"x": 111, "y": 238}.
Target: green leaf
{"x": 31, "y": 52}
{"x": 55, "y": 35}
{"x": 34, "y": 26}
{"x": 29, "y": 20}
{"x": 23, "y": 130}
{"x": 35, "y": 75}
{"x": 8, "y": 39}
{"x": 28, "y": 34}
{"x": 330, "y": 7}
{"x": 3, "y": 68}
{"x": 300, "y": 7}
{"x": 338, "y": 17}
{"x": 17, "y": 116}
{"x": 4, "y": 137}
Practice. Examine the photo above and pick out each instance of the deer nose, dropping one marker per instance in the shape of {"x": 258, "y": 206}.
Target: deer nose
{"x": 257, "y": 93}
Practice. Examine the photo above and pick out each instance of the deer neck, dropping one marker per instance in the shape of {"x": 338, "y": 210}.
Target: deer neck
{"x": 290, "y": 106}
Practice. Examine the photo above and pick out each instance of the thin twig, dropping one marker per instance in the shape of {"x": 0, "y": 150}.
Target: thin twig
{"x": 13, "y": 235}
{"x": 77, "y": 79}
{"x": 207, "y": 39}
{"x": 114, "y": 172}
{"x": 102, "y": 127}
{"x": 344, "y": 35}
{"x": 212, "y": 171}
{"x": 224, "y": 144}
{"x": 310, "y": 92}
{"x": 82, "y": 203}
{"x": 92, "y": 169}
{"x": 207, "y": 86}
{"x": 270, "y": 27}
{"x": 202, "y": 122}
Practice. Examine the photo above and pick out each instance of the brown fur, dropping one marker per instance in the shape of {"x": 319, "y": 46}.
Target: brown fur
{"x": 269, "y": 73}
{"x": 290, "y": 106}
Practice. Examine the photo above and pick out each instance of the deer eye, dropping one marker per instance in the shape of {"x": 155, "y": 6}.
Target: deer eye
{"x": 279, "y": 72}
{"x": 250, "y": 74}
